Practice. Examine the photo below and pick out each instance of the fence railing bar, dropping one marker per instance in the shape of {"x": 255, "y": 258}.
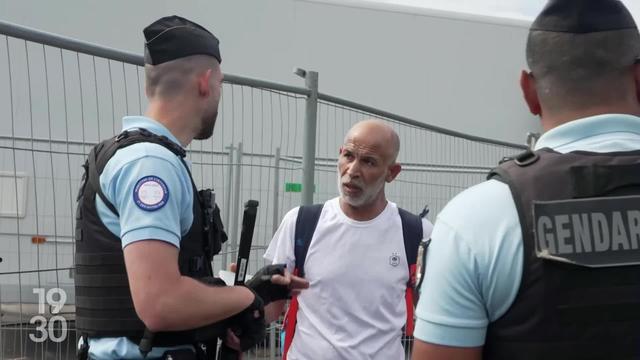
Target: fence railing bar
{"x": 50, "y": 39}
{"x": 34, "y": 271}
{"x": 67, "y": 43}
{"x": 320, "y": 162}
{"x": 257, "y": 83}
{"x": 405, "y": 120}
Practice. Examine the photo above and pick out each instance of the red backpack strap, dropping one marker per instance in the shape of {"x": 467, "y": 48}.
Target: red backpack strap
{"x": 290, "y": 321}
{"x": 412, "y": 235}
{"x": 408, "y": 296}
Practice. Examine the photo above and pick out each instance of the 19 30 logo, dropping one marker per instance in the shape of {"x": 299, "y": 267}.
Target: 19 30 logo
{"x": 54, "y": 328}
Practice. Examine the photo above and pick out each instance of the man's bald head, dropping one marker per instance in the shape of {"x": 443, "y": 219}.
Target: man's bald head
{"x": 379, "y": 135}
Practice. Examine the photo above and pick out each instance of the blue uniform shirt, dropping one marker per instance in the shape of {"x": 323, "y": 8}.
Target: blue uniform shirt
{"x": 152, "y": 191}
{"x": 474, "y": 263}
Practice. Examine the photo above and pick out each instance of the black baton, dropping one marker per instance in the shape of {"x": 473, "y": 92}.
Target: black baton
{"x": 244, "y": 250}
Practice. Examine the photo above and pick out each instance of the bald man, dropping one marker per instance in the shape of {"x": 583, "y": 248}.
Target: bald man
{"x": 356, "y": 251}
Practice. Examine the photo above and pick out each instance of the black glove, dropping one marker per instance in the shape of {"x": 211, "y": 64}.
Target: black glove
{"x": 261, "y": 284}
{"x": 213, "y": 281}
{"x": 249, "y": 324}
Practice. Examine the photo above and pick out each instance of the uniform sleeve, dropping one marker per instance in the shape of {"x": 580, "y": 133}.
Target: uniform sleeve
{"x": 450, "y": 311}
{"x": 153, "y": 199}
{"x": 280, "y": 250}
{"x": 473, "y": 267}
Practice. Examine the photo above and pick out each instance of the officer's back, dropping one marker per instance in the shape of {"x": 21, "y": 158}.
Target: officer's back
{"x": 543, "y": 260}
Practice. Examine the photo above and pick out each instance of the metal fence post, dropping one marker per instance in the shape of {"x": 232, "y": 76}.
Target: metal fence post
{"x": 227, "y": 201}
{"x": 236, "y": 200}
{"x": 276, "y": 190}
{"x": 276, "y": 209}
{"x": 309, "y": 147}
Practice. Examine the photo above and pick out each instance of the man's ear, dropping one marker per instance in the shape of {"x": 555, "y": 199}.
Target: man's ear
{"x": 204, "y": 86}
{"x": 529, "y": 92}
{"x": 394, "y": 170}
{"x": 636, "y": 77}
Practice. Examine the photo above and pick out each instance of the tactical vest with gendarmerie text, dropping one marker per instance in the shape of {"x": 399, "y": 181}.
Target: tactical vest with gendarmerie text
{"x": 579, "y": 296}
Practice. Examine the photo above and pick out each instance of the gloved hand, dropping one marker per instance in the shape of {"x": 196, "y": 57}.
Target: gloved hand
{"x": 249, "y": 324}
{"x": 261, "y": 284}
{"x": 213, "y": 281}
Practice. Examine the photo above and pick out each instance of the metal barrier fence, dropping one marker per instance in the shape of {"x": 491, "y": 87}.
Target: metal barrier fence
{"x": 273, "y": 143}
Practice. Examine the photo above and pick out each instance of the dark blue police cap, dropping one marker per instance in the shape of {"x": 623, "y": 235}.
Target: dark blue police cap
{"x": 583, "y": 16}
{"x": 174, "y": 37}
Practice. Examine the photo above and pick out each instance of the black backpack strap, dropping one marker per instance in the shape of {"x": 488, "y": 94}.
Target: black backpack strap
{"x": 306, "y": 223}
{"x": 412, "y": 234}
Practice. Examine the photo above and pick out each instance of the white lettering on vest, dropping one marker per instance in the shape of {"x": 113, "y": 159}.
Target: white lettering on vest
{"x": 562, "y": 234}
{"x": 634, "y": 228}
{"x": 600, "y": 228}
{"x": 581, "y": 232}
{"x": 618, "y": 232}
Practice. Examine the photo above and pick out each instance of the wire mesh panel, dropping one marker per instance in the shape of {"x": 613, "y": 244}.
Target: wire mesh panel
{"x": 253, "y": 124}
{"x": 55, "y": 104}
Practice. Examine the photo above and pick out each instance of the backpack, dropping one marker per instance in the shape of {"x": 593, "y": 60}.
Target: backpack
{"x": 306, "y": 223}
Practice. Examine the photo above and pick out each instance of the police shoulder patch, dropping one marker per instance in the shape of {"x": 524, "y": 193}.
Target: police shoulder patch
{"x": 150, "y": 193}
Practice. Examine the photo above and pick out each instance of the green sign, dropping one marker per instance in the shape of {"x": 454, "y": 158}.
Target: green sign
{"x": 295, "y": 187}
{"x": 292, "y": 187}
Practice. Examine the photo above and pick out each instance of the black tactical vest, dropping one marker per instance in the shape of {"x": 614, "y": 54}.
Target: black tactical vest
{"x": 104, "y": 307}
{"x": 579, "y": 297}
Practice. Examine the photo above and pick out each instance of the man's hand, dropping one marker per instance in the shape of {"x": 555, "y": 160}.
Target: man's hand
{"x": 295, "y": 283}
{"x": 273, "y": 283}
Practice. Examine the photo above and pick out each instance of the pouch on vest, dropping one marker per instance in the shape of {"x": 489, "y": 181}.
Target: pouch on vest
{"x": 212, "y": 227}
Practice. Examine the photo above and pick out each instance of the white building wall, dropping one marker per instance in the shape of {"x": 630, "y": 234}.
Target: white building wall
{"x": 455, "y": 71}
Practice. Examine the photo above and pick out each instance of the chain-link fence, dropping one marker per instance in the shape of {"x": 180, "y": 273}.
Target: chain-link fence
{"x": 59, "y": 97}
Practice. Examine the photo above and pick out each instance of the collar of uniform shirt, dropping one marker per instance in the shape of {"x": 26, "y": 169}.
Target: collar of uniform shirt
{"x": 586, "y": 127}
{"x": 134, "y": 122}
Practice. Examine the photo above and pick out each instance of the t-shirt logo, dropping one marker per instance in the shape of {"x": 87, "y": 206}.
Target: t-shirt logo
{"x": 150, "y": 193}
{"x": 394, "y": 259}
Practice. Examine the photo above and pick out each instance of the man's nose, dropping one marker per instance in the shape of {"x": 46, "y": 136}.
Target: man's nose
{"x": 353, "y": 169}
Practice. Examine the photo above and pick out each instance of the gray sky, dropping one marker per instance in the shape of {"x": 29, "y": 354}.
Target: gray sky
{"x": 522, "y": 9}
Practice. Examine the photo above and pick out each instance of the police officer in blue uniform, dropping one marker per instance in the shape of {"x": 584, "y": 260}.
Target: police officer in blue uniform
{"x": 146, "y": 236}
{"x": 542, "y": 261}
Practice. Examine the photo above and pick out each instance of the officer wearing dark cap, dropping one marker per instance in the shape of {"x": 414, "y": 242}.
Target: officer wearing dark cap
{"x": 550, "y": 266}
{"x": 146, "y": 236}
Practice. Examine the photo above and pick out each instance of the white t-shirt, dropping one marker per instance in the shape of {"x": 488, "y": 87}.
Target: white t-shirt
{"x": 357, "y": 271}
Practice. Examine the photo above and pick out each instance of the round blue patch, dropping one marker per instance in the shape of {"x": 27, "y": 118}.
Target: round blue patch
{"x": 150, "y": 193}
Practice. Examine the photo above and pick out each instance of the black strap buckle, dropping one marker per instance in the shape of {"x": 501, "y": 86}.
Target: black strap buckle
{"x": 83, "y": 351}
{"x": 122, "y": 135}
{"x": 526, "y": 158}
